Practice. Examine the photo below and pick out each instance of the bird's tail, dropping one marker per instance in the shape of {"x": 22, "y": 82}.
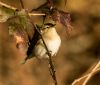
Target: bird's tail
{"x": 26, "y": 59}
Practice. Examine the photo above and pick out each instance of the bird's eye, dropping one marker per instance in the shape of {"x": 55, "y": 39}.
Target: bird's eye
{"x": 47, "y": 27}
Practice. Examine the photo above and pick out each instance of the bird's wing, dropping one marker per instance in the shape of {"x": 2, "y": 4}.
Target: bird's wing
{"x": 32, "y": 44}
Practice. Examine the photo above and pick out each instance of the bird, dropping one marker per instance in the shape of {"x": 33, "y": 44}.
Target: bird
{"x": 51, "y": 39}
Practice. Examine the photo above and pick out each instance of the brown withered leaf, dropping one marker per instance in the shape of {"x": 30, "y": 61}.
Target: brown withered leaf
{"x": 22, "y": 31}
{"x": 19, "y": 34}
{"x": 24, "y": 34}
{"x": 63, "y": 18}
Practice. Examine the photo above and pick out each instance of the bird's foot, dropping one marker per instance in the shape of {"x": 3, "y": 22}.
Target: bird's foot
{"x": 50, "y": 52}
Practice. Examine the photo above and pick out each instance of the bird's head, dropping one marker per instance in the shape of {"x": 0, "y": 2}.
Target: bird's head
{"x": 46, "y": 27}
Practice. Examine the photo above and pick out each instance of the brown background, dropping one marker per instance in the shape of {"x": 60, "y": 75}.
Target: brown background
{"x": 75, "y": 55}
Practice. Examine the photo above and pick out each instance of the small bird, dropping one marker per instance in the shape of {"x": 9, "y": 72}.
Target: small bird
{"x": 51, "y": 39}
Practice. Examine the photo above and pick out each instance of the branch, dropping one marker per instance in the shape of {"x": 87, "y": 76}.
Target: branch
{"x": 65, "y": 2}
{"x": 22, "y": 5}
{"x": 88, "y": 76}
{"x": 52, "y": 71}
{"x": 15, "y": 9}
{"x": 91, "y": 74}
{"x": 36, "y": 14}
{"x": 78, "y": 80}
{"x": 8, "y": 6}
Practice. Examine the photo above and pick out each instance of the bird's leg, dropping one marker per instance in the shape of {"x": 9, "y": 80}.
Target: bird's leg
{"x": 49, "y": 52}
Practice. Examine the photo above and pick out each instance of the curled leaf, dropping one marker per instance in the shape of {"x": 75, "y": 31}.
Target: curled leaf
{"x": 63, "y": 18}
{"x": 21, "y": 30}
{"x": 20, "y": 36}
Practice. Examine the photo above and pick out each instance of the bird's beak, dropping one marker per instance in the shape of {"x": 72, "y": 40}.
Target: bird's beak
{"x": 41, "y": 31}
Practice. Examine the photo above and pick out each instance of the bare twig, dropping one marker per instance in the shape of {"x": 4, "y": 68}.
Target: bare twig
{"x": 92, "y": 73}
{"x": 13, "y": 8}
{"x": 39, "y": 7}
{"x": 22, "y": 5}
{"x": 65, "y": 2}
{"x": 52, "y": 71}
{"x": 78, "y": 80}
{"x": 50, "y": 2}
{"x": 7, "y": 6}
{"x": 88, "y": 76}
{"x": 36, "y": 14}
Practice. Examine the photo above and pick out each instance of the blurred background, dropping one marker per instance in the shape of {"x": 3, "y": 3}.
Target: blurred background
{"x": 77, "y": 53}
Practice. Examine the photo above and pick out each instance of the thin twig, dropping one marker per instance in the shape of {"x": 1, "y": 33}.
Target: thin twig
{"x": 78, "y": 80}
{"x": 52, "y": 71}
{"x": 88, "y": 76}
{"x": 65, "y": 2}
{"x": 91, "y": 74}
{"x": 7, "y": 6}
{"x": 22, "y": 5}
{"x": 13, "y": 8}
{"x": 36, "y": 14}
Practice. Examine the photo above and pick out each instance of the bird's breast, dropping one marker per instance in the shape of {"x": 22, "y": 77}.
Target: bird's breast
{"x": 52, "y": 41}
{"x": 53, "y": 44}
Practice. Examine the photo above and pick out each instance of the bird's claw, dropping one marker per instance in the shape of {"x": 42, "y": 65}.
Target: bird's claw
{"x": 50, "y": 52}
